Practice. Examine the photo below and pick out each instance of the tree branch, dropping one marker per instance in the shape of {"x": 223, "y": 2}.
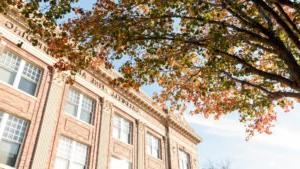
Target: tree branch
{"x": 273, "y": 95}
{"x": 254, "y": 35}
{"x": 287, "y": 18}
{"x": 243, "y": 82}
{"x": 257, "y": 45}
{"x": 264, "y": 74}
{"x": 284, "y": 25}
{"x": 244, "y": 18}
{"x": 289, "y": 3}
{"x": 272, "y": 40}
{"x": 286, "y": 94}
{"x": 266, "y": 17}
{"x": 189, "y": 41}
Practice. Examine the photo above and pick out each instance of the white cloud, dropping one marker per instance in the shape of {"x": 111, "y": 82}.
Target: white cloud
{"x": 284, "y": 136}
{"x": 224, "y": 127}
{"x": 225, "y": 139}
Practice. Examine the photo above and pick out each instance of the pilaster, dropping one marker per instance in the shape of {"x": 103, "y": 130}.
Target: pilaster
{"x": 49, "y": 121}
{"x": 141, "y": 145}
{"x": 105, "y": 130}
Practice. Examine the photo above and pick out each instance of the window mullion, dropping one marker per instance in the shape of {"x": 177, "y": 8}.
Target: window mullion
{"x": 160, "y": 149}
{"x": 150, "y": 143}
{"x": 19, "y": 74}
{"x": 121, "y": 129}
{"x": 3, "y": 124}
{"x": 72, "y": 154}
{"x": 130, "y": 130}
{"x": 155, "y": 142}
{"x": 79, "y": 106}
{"x": 153, "y": 145}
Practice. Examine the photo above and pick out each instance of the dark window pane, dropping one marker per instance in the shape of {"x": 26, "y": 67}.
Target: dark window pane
{"x": 27, "y": 86}
{"x": 8, "y": 153}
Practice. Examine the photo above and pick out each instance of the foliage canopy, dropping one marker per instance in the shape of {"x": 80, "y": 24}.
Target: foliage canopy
{"x": 218, "y": 55}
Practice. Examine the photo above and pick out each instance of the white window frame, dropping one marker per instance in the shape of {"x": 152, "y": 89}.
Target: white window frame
{"x": 2, "y": 128}
{"x": 72, "y": 160}
{"x": 19, "y": 73}
{"x": 182, "y": 161}
{"x": 151, "y": 147}
{"x": 79, "y": 109}
{"x": 120, "y": 129}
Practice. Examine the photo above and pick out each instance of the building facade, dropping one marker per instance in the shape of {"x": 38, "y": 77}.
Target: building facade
{"x": 46, "y": 123}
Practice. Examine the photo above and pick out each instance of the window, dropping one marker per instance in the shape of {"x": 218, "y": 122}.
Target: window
{"x": 153, "y": 146}
{"x": 184, "y": 160}
{"x": 19, "y": 73}
{"x": 80, "y": 106}
{"x": 71, "y": 155}
{"x": 122, "y": 129}
{"x": 12, "y": 132}
{"x": 119, "y": 164}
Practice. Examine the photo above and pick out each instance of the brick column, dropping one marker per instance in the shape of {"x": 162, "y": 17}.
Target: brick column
{"x": 141, "y": 145}
{"x": 173, "y": 155}
{"x": 194, "y": 161}
{"x": 44, "y": 141}
{"x": 104, "y": 142}
{"x": 165, "y": 148}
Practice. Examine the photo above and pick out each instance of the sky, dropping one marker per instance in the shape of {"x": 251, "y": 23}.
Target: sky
{"x": 224, "y": 140}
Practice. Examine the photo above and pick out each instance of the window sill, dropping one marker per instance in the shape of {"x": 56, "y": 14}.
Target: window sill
{"x": 120, "y": 141}
{"x": 154, "y": 158}
{"x": 80, "y": 121}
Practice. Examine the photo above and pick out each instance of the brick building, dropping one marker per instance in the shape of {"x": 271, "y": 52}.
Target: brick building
{"x": 46, "y": 123}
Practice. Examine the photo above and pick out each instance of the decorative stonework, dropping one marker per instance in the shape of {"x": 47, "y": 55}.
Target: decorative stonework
{"x": 77, "y": 129}
{"x": 122, "y": 150}
{"x": 59, "y": 78}
{"x": 124, "y": 101}
{"x": 141, "y": 127}
{"x": 154, "y": 163}
{"x": 10, "y": 99}
{"x": 107, "y": 107}
{"x": 100, "y": 85}
{"x": 180, "y": 124}
{"x": 194, "y": 163}
{"x": 140, "y": 144}
{"x": 18, "y": 27}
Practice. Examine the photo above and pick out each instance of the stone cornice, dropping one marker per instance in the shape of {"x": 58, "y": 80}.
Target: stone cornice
{"x": 138, "y": 98}
{"x": 178, "y": 122}
{"x": 14, "y": 14}
{"x": 148, "y": 105}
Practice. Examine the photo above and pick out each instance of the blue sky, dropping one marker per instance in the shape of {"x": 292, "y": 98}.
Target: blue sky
{"x": 224, "y": 140}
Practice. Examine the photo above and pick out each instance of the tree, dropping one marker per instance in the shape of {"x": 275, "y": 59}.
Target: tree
{"x": 218, "y": 55}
